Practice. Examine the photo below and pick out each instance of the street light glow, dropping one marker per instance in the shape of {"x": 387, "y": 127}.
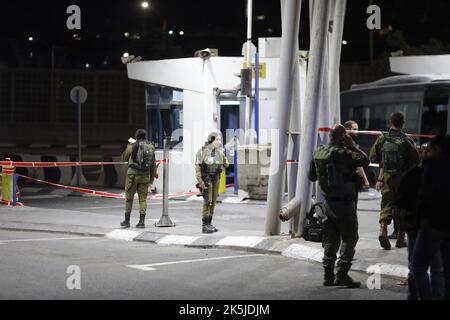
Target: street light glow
{"x": 126, "y": 55}
{"x": 171, "y": 32}
{"x": 181, "y": 33}
{"x": 145, "y": 4}
{"x": 30, "y": 38}
{"x": 344, "y": 42}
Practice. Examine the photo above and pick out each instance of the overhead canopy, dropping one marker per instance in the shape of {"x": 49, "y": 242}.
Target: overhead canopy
{"x": 188, "y": 73}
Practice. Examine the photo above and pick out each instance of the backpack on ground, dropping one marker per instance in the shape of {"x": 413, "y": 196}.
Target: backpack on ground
{"x": 313, "y": 229}
{"x": 145, "y": 156}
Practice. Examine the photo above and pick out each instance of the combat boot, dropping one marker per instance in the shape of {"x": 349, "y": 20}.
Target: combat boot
{"x": 206, "y": 228}
{"x": 383, "y": 236}
{"x": 210, "y": 225}
{"x": 393, "y": 235}
{"x": 328, "y": 280}
{"x": 126, "y": 223}
{"x": 344, "y": 280}
{"x": 401, "y": 243}
{"x": 141, "y": 223}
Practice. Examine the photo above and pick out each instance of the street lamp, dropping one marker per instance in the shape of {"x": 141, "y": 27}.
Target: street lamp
{"x": 30, "y": 38}
{"x": 145, "y": 4}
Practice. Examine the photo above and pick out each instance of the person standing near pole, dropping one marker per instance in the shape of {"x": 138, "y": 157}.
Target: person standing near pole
{"x": 210, "y": 161}
{"x": 140, "y": 175}
{"x": 335, "y": 167}
{"x": 396, "y": 154}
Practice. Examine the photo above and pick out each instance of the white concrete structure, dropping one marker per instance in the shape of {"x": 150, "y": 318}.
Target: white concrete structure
{"x": 201, "y": 82}
{"x": 433, "y": 64}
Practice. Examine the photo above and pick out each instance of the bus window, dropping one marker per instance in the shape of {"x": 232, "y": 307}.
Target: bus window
{"x": 435, "y": 111}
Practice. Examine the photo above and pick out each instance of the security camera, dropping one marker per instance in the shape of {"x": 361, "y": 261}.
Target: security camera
{"x": 206, "y": 53}
{"x": 130, "y": 59}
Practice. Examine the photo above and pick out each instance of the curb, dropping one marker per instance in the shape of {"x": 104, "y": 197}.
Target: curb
{"x": 282, "y": 245}
{"x": 291, "y": 248}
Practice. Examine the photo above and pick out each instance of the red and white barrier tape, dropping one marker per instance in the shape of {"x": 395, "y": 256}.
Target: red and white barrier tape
{"x": 21, "y": 164}
{"x": 103, "y": 193}
{"x": 376, "y": 133}
{"x": 11, "y": 204}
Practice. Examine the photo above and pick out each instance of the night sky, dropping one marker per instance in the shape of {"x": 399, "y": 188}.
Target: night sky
{"x": 415, "y": 25}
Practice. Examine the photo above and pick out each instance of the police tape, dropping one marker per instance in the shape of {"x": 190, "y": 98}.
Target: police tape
{"x": 22, "y": 164}
{"x": 104, "y": 193}
{"x": 377, "y": 133}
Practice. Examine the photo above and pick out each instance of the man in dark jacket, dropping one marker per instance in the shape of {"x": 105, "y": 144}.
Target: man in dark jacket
{"x": 408, "y": 193}
{"x": 434, "y": 231}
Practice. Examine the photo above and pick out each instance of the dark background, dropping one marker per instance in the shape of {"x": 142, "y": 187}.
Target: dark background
{"x": 416, "y": 27}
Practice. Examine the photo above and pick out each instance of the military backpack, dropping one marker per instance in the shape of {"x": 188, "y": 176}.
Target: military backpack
{"x": 394, "y": 153}
{"x": 145, "y": 156}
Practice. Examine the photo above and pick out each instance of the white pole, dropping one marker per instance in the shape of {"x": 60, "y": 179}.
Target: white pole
{"x": 314, "y": 85}
{"x": 248, "y": 61}
{"x": 294, "y": 136}
{"x": 286, "y": 72}
{"x": 338, "y": 16}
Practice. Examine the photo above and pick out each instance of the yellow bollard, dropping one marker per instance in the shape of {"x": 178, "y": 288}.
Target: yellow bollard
{"x": 8, "y": 196}
{"x": 222, "y": 186}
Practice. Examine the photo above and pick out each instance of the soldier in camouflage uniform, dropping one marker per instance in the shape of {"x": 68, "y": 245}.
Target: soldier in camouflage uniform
{"x": 210, "y": 161}
{"x": 139, "y": 178}
{"x": 396, "y": 154}
{"x": 335, "y": 167}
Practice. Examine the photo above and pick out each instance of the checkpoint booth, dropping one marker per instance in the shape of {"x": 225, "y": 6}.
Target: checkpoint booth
{"x": 189, "y": 98}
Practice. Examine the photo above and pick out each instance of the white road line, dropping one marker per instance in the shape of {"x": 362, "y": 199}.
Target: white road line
{"x": 46, "y": 239}
{"x": 151, "y": 267}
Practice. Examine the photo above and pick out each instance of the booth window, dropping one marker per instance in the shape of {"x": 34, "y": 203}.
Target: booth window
{"x": 164, "y": 116}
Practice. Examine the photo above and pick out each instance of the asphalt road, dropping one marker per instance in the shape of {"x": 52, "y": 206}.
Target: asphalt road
{"x": 36, "y": 265}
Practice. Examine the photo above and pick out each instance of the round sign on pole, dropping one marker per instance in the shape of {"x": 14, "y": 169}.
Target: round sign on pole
{"x": 82, "y": 94}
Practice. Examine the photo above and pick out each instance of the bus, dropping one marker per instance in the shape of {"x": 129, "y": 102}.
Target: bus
{"x": 424, "y": 99}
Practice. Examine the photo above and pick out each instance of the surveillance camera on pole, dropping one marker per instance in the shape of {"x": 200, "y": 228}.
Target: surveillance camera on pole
{"x": 206, "y": 53}
{"x": 130, "y": 59}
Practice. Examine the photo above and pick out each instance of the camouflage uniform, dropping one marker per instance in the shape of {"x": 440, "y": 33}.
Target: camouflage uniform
{"x": 336, "y": 169}
{"x": 210, "y": 162}
{"x": 391, "y": 182}
{"x": 137, "y": 180}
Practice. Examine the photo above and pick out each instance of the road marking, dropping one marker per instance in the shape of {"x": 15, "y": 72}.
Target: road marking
{"x": 46, "y": 239}
{"x": 151, "y": 267}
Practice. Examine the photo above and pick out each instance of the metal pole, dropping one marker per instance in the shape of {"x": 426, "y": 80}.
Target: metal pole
{"x": 165, "y": 221}
{"x": 248, "y": 62}
{"x": 294, "y": 141}
{"x": 235, "y": 167}
{"x": 335, "y": 59}
{"x": 257, "y": 96}
{"x": 289, "y": 53}
{"x": 314, "y": 84}
{"x": 79, "y": 138}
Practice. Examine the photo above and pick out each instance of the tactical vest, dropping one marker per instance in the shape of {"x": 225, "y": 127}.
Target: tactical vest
{"x": 394, "y": 153}
{"x": 212, "y": 160}
{"x": 334, "y": 175}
